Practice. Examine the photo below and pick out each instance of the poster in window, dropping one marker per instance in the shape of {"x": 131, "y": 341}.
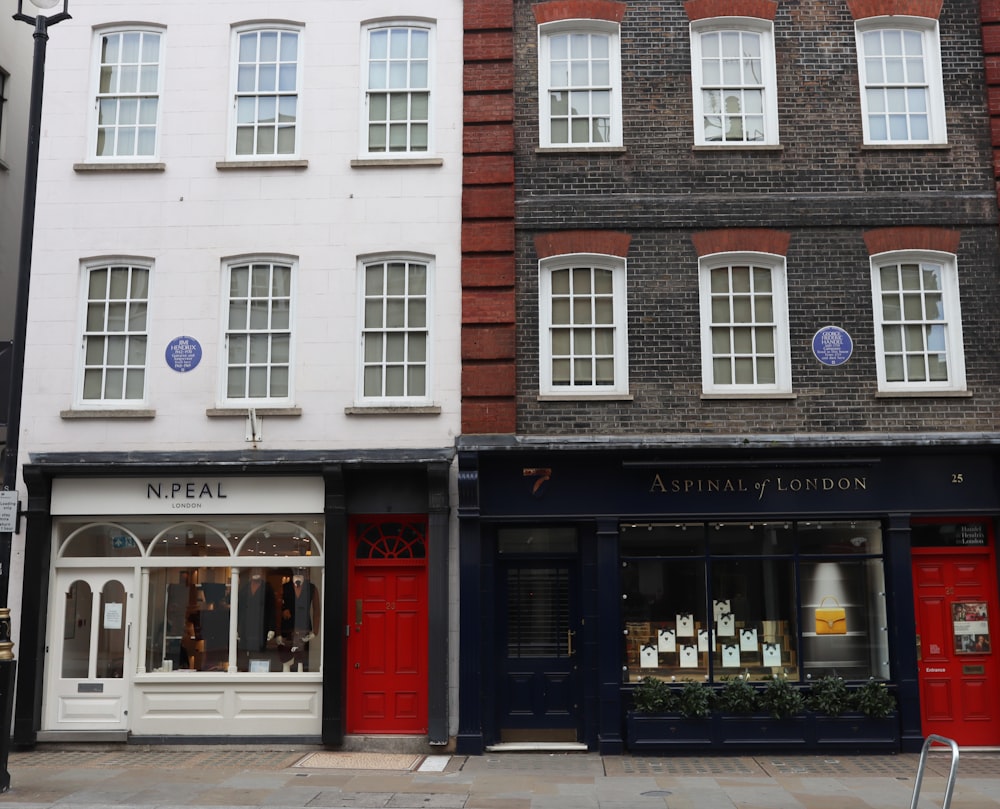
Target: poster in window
{"x": 113, "y": 612}
{"x": 970, "y": 627}
{"x": 666, "y": 640}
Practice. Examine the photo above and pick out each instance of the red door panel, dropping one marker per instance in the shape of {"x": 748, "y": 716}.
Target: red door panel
{"x": 959, "y": 686}
{"x": 387, "y": 639}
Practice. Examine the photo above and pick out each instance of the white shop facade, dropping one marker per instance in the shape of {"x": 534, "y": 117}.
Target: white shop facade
{"x": 171, "y": 607}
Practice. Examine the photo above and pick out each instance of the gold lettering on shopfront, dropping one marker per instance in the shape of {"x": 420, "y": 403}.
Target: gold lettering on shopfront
{"x": 780, "y": 484}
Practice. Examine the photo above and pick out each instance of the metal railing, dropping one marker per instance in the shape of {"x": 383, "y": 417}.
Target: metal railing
{"x": 950, "y": 786}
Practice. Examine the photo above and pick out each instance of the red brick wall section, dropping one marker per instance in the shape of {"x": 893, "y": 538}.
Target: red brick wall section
{"x": 488, "y": 344}
{"x": 555, "y": 10}
{"x": 757, "y": 240}
{"x": 882, "y": 240}
{"x": 989, "y": 11}
{"x": 602, "y": 242}
{"x": 862, "y": 9}
{"x": 706, "y": 9}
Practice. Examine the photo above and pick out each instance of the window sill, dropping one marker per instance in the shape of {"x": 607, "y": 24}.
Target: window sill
{"x": 580, "y": 150}
{"x": 923, "y": 394}
{"x": 585, "y": 397}
{"x": 903, "y": 147}
{"x": 748, "y": 395}
{"x": 241, "y": 412}
{"x": 137, "y": 413}
{"x": 395, "y": 410}
{"x": 227, "y": 165}
{"x": 738, "y": 147}
{"x": 394, "y": 162}
{"x": 97, "y": 167}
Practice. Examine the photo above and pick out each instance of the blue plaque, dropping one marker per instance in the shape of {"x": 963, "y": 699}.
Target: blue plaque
{"x": 183, "y": 354}
{"x": 832, "y": 345}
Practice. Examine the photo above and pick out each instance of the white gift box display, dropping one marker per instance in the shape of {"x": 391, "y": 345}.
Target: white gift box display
{"x": 720, "y": 607}
{"x": 726, "y": 625}
{"x": 685, "y": 625}
{"x": 666, "y": 640}
{"x": 704, "y": 640}
{"x": 689, "y": 656}
{"x": 648, "y": 658}
{"x": 748, "y": 640}
{"x": 730, "y": 655}
{"x": 772, "y": 654}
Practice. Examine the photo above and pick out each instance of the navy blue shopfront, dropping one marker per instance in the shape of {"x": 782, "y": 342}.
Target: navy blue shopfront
{"x": 585, "y": 568}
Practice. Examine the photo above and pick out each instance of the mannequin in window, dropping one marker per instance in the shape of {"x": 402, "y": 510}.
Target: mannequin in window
{"x": 299, "y": 602}
{"x": 255, "y": 620}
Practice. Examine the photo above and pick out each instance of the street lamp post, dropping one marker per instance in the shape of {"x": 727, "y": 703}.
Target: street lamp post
{"x": 8, "y": 664}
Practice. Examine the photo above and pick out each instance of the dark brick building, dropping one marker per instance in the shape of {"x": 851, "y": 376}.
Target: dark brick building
{"x": 729, "y": 337}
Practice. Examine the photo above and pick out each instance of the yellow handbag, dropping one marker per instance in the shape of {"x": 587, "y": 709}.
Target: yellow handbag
{"x": 830, "y": 620}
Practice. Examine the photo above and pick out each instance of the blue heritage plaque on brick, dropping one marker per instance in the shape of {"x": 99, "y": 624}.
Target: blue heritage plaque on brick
{"x": 832, "y": 345}
{"x": 183, "y": 353}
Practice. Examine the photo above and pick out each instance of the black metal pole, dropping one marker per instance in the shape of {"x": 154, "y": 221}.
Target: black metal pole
{"x": 8, "y": 665}
{"x": 23, "y": 283}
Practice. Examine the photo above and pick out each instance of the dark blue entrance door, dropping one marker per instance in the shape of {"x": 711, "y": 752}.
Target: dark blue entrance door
{"x": 538, "y": 614}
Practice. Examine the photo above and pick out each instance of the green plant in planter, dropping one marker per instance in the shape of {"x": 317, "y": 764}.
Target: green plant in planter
{"x": 829, "y": 695}
{"x": 874, "y": 699}
{"x": 737, "y": 696}
{"x": 781, "y": 699}
{"x": 653, "y": 696}
{"x": 694, "y": 700}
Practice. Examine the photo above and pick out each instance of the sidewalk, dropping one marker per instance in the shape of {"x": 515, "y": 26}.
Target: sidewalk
{"x": 296, "y": 776}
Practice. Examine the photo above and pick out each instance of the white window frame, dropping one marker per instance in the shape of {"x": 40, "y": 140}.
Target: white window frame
{"x": 782, "y": 384}
{"x": 766, "y": 83}
{"x": 949, "y": 324}
{"x": 561, "y": 28}
{"x": 4, "y": 90}
{"x": 241, "y": 96}
{"x": 412, "y": 87}
{"x": 548, "y": 388}
{"x": 382, "y": 329}
{"x": 130, "y": 361}
{"x": 229, "y": 330}
{"x": 141, "y": 95}
{"x": 931, "y": 82}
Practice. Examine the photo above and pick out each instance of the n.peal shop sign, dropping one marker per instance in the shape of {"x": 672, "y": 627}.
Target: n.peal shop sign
{"x": 194, "y": 495}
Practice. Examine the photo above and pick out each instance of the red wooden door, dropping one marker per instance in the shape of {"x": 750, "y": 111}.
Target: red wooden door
{"x": 956, "y": 606}
{"x": 387, "y": 641}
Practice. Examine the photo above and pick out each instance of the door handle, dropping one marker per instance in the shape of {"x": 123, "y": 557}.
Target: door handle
{"x": 569, "y": 642}
{"x": 128, "y": 635}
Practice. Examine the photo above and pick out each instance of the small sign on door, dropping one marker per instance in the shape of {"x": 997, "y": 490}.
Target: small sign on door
{"x": 970, "y": 627}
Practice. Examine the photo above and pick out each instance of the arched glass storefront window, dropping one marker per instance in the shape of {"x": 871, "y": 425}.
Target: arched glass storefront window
{"x": 104, "y": 540}
{"x": 226, "y": 594}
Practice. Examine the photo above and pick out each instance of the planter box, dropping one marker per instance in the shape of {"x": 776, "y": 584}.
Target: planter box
{"x": 664, "y": 731}
{"x": 855, "y": 732}
{"x": 762, "y": 731}
{"x": 848, "y": 732}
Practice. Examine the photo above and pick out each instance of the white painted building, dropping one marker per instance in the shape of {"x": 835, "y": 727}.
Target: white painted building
{"x": 242, "y": 370}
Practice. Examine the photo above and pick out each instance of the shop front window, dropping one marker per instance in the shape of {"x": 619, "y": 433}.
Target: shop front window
{"x": 709, "y": 601}
{"x": 223, "y": 595}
